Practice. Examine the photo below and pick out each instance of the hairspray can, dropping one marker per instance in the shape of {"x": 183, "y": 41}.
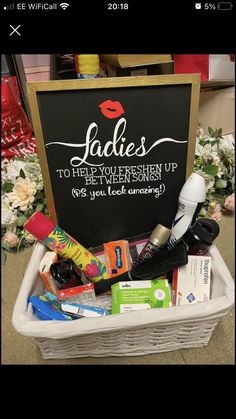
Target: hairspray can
{"x": 56, "y": 239}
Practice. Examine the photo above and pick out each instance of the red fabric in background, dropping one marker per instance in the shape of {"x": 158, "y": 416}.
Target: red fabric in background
{"x": 192, "y": 63}
{"x": 16, "y": 132}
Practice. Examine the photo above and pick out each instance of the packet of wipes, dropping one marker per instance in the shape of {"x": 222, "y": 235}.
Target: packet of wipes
{"x": 139, "y": 295}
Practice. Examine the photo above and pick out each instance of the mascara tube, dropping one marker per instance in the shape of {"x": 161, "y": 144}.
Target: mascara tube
{"x": 158, "y": 237}
{"x": 56, "y": 239}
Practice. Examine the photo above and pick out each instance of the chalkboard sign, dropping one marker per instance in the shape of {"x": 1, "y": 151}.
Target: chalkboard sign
{"x": 114, "y": 152}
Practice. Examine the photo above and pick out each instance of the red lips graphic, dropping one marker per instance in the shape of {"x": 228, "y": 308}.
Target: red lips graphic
{"x": 111, "y": 109}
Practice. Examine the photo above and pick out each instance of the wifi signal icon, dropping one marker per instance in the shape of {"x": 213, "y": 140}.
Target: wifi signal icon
{"x": 64, "y": 6}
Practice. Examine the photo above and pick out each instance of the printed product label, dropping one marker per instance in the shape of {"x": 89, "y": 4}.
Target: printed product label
{"x": 125, "y": 308}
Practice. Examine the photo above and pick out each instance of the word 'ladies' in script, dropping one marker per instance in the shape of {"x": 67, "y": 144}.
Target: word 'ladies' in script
{"x": 118, "y": 146}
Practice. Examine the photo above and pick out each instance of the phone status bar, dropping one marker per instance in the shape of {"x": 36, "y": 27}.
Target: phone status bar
{"x": 218, "y": 6}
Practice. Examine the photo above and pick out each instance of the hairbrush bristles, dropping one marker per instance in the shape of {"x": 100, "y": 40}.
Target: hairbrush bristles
{"x": 168, "y": 256}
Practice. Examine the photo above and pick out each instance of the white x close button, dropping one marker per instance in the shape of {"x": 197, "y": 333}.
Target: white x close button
{"x": 15, "y": 30}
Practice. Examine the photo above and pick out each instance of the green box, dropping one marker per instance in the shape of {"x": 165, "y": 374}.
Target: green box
{"x": 140, "y": 295}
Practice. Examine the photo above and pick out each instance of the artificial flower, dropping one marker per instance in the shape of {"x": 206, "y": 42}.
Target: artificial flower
{"x": 30, "y": 238}
{"x": 221, "y": 183}
{"x": 12, "y": 170}
{"x": 209, "y": 179}
{"x": 229, "y": 202}
{"x": 203, "y": 151}
{"x": 227, "y": 142}
{"x": 23, "y": 194}
{"x": 215, "y": 162}
{"x": 8, "y": 216}
{"x": 216, "y": 213}
{"x": 29, "y": 166}
{"x": 10, "y": 239}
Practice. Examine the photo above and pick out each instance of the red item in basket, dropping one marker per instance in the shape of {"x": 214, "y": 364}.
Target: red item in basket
{"x": 81, "y": 294}
{"x": 16, "y": 135}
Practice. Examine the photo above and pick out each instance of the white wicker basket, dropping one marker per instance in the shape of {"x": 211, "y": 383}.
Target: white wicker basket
{"x": 134, "y": 333}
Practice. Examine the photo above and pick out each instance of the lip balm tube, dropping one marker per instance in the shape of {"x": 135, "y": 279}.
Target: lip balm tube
{"x": 56, "y": 239}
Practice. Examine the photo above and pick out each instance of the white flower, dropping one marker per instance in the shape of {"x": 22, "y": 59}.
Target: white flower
{"x": 220, "y": 169}
{"x": 227, "y": 142}
{"x": 214, "y": 149}
{"x": 23, "y": 194}
{"x": 13, "y": 169}
{"x": 203, "y": 151}
{"x": 33, "y": 172}
{"x": 216, "y": 159}
{"x": 30, "y": 166}
{"x": 8, "y": 218}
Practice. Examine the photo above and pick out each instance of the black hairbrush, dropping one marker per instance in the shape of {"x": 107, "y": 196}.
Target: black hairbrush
{"x": 168, "y": 256}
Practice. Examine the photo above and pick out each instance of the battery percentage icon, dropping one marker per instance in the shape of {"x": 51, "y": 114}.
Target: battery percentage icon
{"x": 224, "y": 5}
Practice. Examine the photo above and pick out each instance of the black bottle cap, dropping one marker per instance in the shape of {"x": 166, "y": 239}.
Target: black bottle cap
{"x": 66, "y": 273}
{"x": 206, "y": 229}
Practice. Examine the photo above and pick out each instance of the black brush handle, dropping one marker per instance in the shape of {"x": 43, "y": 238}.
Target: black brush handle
{"x": 168, "y": 257}
{"x": 104, "y": 285}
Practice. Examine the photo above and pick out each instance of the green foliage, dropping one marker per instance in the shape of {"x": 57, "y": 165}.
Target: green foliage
{"x": 7, "y": 187}
{"x": 210, "y": 169}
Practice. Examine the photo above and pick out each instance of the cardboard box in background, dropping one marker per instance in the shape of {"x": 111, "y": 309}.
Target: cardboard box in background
{"x": 216, "y": 110}
{"x": 120, "y": 65}
{"x": 37, "y": 67}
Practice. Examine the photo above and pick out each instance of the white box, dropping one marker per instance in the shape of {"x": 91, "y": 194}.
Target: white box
{"x": 191, "y": 282}
{"x": 221, "y": 68}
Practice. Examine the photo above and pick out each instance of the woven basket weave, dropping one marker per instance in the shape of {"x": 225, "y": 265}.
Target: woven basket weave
{"x": 135, "y": 333}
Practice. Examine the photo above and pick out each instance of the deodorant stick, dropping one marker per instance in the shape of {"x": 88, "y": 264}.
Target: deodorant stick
{"x": 191, "y": 199}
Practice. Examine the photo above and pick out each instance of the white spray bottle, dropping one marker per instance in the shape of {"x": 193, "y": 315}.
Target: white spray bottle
{"x": 191, "y": 199}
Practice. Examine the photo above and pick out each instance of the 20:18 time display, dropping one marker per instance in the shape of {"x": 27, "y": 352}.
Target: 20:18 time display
{"x": 118, "y": 6}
